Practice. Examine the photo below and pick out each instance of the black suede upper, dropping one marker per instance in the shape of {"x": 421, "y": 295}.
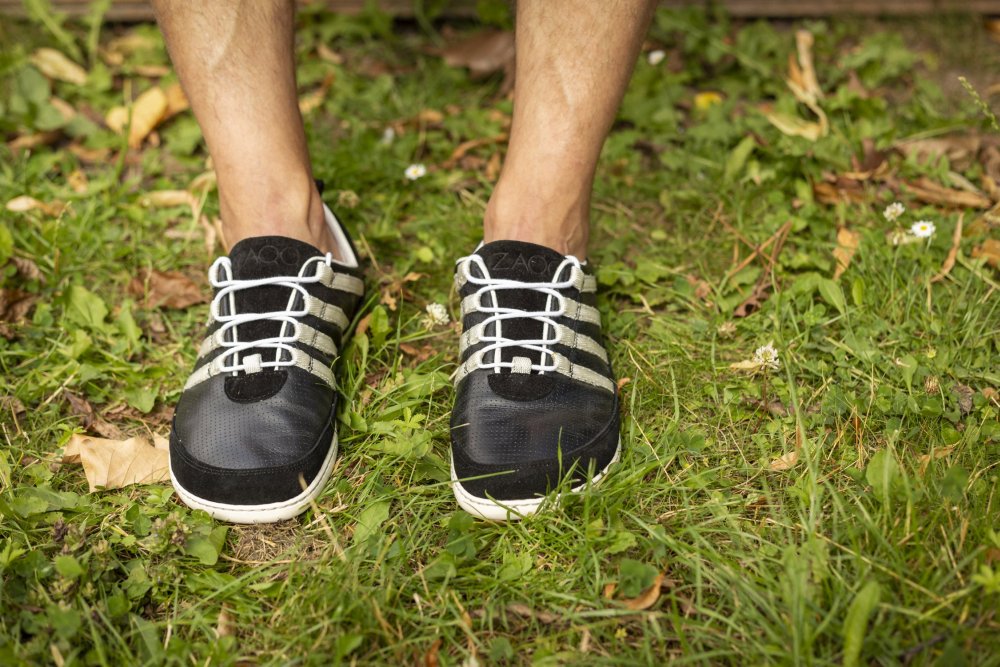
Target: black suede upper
{"x": 531, "y": 428}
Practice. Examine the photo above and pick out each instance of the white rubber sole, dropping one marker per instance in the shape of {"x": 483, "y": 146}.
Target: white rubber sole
{"x": 267, "y": 513}
{"x": 515, "y": 510}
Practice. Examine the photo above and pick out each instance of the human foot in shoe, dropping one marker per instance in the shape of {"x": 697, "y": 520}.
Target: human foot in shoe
{"x": 254, "y": 436}
{"x": 535, "y": 397}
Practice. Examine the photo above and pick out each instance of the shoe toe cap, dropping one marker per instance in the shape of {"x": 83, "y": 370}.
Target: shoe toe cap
{"x": 523, "y": 449}
{"x": 251, "y": 453}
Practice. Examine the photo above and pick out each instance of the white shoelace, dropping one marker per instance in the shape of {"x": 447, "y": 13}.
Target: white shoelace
{"x": 497, "y": 314}
{"x": 228, "y": 287}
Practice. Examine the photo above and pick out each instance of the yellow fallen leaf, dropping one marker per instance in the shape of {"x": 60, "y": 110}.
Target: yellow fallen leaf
{"x": 794, "y": 126}
{"x": 988, "y": 250}
{"x": 55, "y": 65}
{"x": 648, "y": 597}
{"x": 949, "y": 261}
{"x": 746, "y": 366}
{"x": 113, "y": 464}
{"x": 64, "y": 108}
{"x": 169, "y": 198}
{"x": 147, "y": 112}
{"x": 177, "y": 101}
{"x": 847, "y": 244}
{"x": 802, "y": 74}
{"x": 707, "y": 99}
{"x": 785, "y": 461}
{"x": 116, "y": 119}
{"x": 26, "y": 203}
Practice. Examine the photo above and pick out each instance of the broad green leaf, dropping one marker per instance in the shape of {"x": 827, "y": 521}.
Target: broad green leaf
{"x": 882, "y": 473}
{"x": 68, "y": 566}
{"x": 370, "y": 520}
{"x": 514, "y": 566}
{"x": 85, "y": 308}
{"x": 141, "y": 398}
{"x": 738, "y": 157}
{"x": 856, "y": 623}
{"x": 6, "y": 244}
{"x": 832, "y": 294}
{"x": 203, "y": 549}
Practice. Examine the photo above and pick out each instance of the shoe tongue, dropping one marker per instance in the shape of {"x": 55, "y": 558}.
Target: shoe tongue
{"x": 269, "y": 256}
{"x": 266, "y": 257}
{"x": 528, "y": 263}
{"x": 517, "y": 260}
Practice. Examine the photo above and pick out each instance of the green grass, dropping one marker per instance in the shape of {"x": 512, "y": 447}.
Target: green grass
{"x": 861, "y": 552}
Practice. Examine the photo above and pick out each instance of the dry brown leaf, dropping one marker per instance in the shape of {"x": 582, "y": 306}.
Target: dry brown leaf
{"x": 12, "y": 404}
{"x": 311, "y": 101}
{"x": 872, "y": 165}
{"x": 930, "y": 192}
{"x": 463, "y": 148}
{"x": 116, "y": 119}
{"x": 939, "y": 453}
{"x": 964, "y": 393}
{"x": 949, "y": 261}
{"x": 147, "y": 111}
{"x": 34, "y": 140}
{"x": 648, "y": 597}
{"x": 482, "y": 53}
{"x": 27, "y": 269}
{"x": 840, "y": 191}
{"x": 15, "y": 304}
{"x": 151, "y": 71}
{"x": 167, "y": 289}
{"x": 329, "y": 55}
{"x": 56, "y": 65}
{"x": 177, "y": 101}
{"x": 25, "y": 203}
{"x": 960, "y": 149}
{"x": 78, "y": 182}
{"x": 113, "y": 464}
{"x": 802, "y": 75}
{"x": 90, "y": 155}
{"x": 847, "y": 245}
{"x": 794, "y": 126}
{"x": 89, "y": 418}
{"x": 989, "y": 250}
{"x": 169, "y": 198}
{"x": 225, "y": 627}
{"x": 524, "y": 611}
{"x": 760, "y": 293}
{"x": 211, "y": 234}
{"x": 804, "y": 85}
{"x": 431, "y": 658}
{"x": 64, "y": 108}
{"x": 785, "y": 461}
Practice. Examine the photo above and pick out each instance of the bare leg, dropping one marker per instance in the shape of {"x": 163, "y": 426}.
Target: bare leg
{"x": 574, "y": 59}
{"x": 236, "y": 62}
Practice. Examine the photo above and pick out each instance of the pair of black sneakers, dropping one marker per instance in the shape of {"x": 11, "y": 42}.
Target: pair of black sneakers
{"x": 254, "y": 437}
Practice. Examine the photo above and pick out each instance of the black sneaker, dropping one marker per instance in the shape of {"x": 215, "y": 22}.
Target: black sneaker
{"x": 254, "y": 436}
{"x": 536, "y": 401}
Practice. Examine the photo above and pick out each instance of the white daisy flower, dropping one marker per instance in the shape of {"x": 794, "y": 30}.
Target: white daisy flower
{"x": 767, "y": 357}
{"x": 923, "y": 229}
{"x": 893, "y": 211}
{"x": 437, "y": 315}
{"x": 415, "y": 171}
{"x": 656, "y": 57}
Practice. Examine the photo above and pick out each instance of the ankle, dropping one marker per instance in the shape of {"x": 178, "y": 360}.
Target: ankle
{"x": 294, "y": 210}
{"x": 559, "y": 222}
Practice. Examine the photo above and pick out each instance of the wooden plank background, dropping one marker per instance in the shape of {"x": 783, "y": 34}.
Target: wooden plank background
{"x": 140, "y": 10}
